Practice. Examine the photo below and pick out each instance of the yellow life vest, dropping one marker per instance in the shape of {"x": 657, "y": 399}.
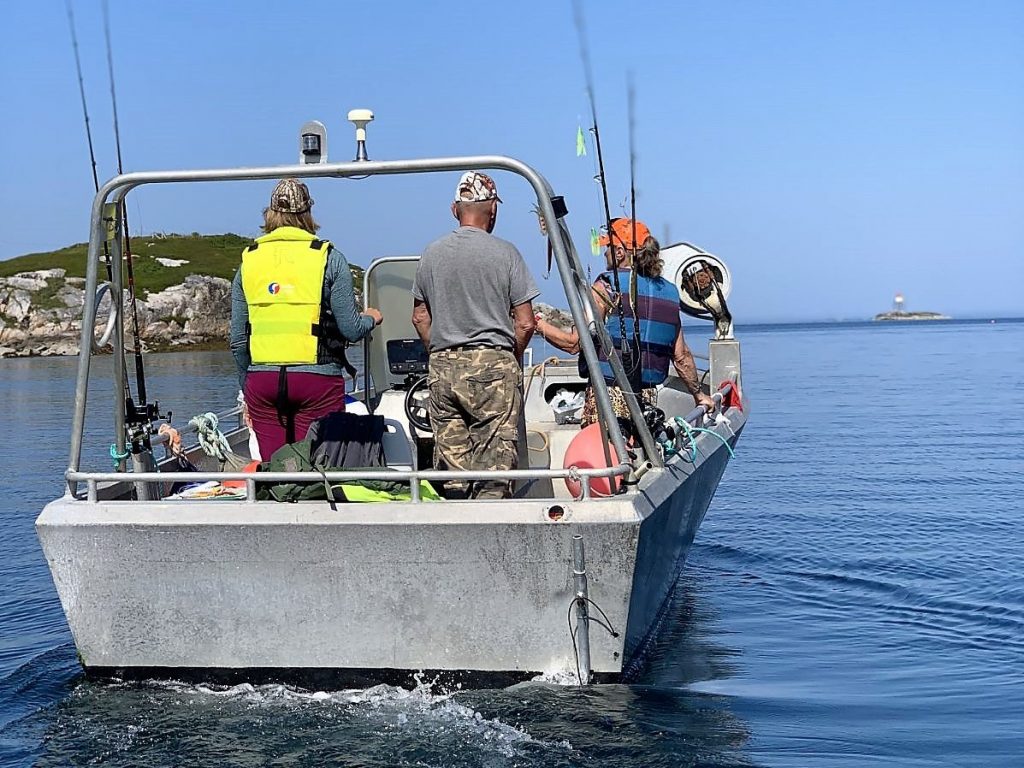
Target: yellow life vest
{"x": 283, "y": 280}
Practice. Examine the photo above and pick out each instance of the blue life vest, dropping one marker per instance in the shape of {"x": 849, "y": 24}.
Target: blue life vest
{"x": 658, "y": 313}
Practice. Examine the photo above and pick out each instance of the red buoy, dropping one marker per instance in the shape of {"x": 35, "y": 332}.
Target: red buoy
{"x": 585, "y": 452}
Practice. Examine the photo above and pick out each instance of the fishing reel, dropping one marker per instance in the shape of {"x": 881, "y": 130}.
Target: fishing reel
{"x": 138, "y": 423}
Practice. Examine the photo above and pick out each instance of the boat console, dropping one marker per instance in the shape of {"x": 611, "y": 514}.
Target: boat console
{"x": 409, "y": 357}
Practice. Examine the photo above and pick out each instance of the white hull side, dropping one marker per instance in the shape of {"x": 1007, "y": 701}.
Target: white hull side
{"x": 229, "y": 585}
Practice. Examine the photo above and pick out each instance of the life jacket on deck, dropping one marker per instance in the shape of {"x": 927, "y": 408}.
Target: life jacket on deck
{"x": 658, "y": 313}
{"x": 290, "y": 317}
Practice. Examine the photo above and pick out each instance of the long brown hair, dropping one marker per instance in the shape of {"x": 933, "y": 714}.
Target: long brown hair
{"x": 648, "y": 261}
{"x": 273, "y": 219}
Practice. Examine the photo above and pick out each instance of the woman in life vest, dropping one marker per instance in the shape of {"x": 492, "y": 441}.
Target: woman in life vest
{"x": 293, "y": 311}
{"x": 659, "y": 330}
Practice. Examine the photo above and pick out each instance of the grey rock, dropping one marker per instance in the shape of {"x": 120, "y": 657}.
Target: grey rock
{"x": 197, "y": 310}
{"x": 15, "y": 302}
{"x": 556, "y": 317}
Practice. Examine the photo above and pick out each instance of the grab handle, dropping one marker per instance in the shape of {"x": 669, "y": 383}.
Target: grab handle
{"x": 104, "y": 339}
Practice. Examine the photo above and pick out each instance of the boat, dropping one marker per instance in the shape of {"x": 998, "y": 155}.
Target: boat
{"x": 557, "y": 578}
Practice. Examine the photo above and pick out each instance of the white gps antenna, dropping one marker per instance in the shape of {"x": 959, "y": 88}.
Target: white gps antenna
{"x": 359, "y": 118}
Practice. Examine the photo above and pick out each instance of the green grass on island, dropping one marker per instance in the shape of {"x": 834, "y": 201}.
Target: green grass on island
{"x": 215, "y": 255}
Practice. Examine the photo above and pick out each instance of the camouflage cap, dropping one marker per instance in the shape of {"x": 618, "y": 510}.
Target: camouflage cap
{"x": 290, "y": 196}
{"x": 476, "y": 187}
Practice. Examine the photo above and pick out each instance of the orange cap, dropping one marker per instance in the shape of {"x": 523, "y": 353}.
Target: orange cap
{"x": 622, "y": 233}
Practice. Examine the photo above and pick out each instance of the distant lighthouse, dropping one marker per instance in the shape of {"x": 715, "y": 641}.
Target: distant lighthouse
{"x": 897, "y": 302}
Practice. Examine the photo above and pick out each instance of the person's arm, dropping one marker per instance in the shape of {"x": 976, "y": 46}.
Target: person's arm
{"x": 523, "y": 324}
{"x": 352, "y": 324}
{"x": 238, "y": 339}
{"x": 522, "y": 290}
{"x": 421, "y": 321}
{"x": 682, "y": 359}
{"x": 567, "y": 341}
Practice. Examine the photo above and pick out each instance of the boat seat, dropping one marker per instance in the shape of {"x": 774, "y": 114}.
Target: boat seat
{"x": 397, "y": 446}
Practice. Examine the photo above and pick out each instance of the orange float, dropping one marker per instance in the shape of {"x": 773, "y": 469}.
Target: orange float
{"x": 252, "y": 466}
{"x": 585, "y": 452}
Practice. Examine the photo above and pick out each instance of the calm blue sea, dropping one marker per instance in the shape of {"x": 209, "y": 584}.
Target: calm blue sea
{"x": 855, "y": 596}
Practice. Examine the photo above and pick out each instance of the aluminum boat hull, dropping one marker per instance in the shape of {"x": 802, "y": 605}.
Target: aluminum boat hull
{"x": 372, "y": 591}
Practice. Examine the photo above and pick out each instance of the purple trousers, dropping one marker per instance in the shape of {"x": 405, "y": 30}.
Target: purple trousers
{"x": 277, "y": 421}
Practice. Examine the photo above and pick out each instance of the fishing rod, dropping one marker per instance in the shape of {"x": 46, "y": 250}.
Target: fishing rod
{"x": 625, "y": 352}
{"x": 637, "y": 373}
{"x": 92, "y": 158}
{"x": 81, "y": 91}
{"x": 139, "y": 416}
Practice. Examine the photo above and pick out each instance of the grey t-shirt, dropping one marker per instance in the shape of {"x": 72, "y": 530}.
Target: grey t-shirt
{"x": 470, "y": 280}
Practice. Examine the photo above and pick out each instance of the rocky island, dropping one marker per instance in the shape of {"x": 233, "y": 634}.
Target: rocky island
{"x": 899, "y": 315}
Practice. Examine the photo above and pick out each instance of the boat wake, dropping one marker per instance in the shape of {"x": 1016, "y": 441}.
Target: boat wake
{"x": 416, "y": 713}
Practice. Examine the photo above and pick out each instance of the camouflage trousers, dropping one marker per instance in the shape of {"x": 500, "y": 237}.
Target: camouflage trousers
{"x": 476, "y": 397}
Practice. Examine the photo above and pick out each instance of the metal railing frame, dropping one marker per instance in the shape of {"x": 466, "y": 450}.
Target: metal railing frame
{"x": 412, "y": 477}
{"x": 581, "y": 305}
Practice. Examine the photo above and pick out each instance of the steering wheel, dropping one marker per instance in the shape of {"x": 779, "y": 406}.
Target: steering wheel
{"x": 417, "y": 400}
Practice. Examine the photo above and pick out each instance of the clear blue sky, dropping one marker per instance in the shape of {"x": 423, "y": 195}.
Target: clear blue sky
{"x": 833, "y": 152}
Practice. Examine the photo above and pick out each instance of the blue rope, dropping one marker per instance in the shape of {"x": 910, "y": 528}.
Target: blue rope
{"x": 680, "y": 422}
{"x": 690, "y": 433}
{"x": 118, "y": 457}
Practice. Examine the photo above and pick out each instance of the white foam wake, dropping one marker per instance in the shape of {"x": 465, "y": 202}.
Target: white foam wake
{"x": 389, "y": 707}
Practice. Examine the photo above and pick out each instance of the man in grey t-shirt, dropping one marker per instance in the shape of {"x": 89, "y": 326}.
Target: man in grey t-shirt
{"x": 473, "y": 309}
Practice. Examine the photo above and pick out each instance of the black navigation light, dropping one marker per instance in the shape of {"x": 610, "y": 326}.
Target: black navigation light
{"x": 313, "y": 143}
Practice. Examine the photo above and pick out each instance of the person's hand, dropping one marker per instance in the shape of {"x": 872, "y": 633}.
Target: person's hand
{"x": 705, "y": 400}
{"x": 375, "y": 315}
{"x": 539, "y": 325}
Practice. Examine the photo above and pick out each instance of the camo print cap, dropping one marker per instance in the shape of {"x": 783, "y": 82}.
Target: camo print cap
{"x": 290, "y": 196}
{"x": 476, "y": 187}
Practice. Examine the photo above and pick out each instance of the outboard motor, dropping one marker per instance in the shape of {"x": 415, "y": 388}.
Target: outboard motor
{"x": 704, "y": 284}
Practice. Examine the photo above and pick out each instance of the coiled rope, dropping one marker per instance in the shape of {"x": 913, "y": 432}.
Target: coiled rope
{"x": 671, "y": 446}
{"x": 211, "y": 439}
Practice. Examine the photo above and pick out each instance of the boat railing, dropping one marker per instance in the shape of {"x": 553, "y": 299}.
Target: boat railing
{"x": 412, "y": 477}
{"x": 570, "y": 269}
{"x": 584, "y": 476}
{"x": 694, "y": 417}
